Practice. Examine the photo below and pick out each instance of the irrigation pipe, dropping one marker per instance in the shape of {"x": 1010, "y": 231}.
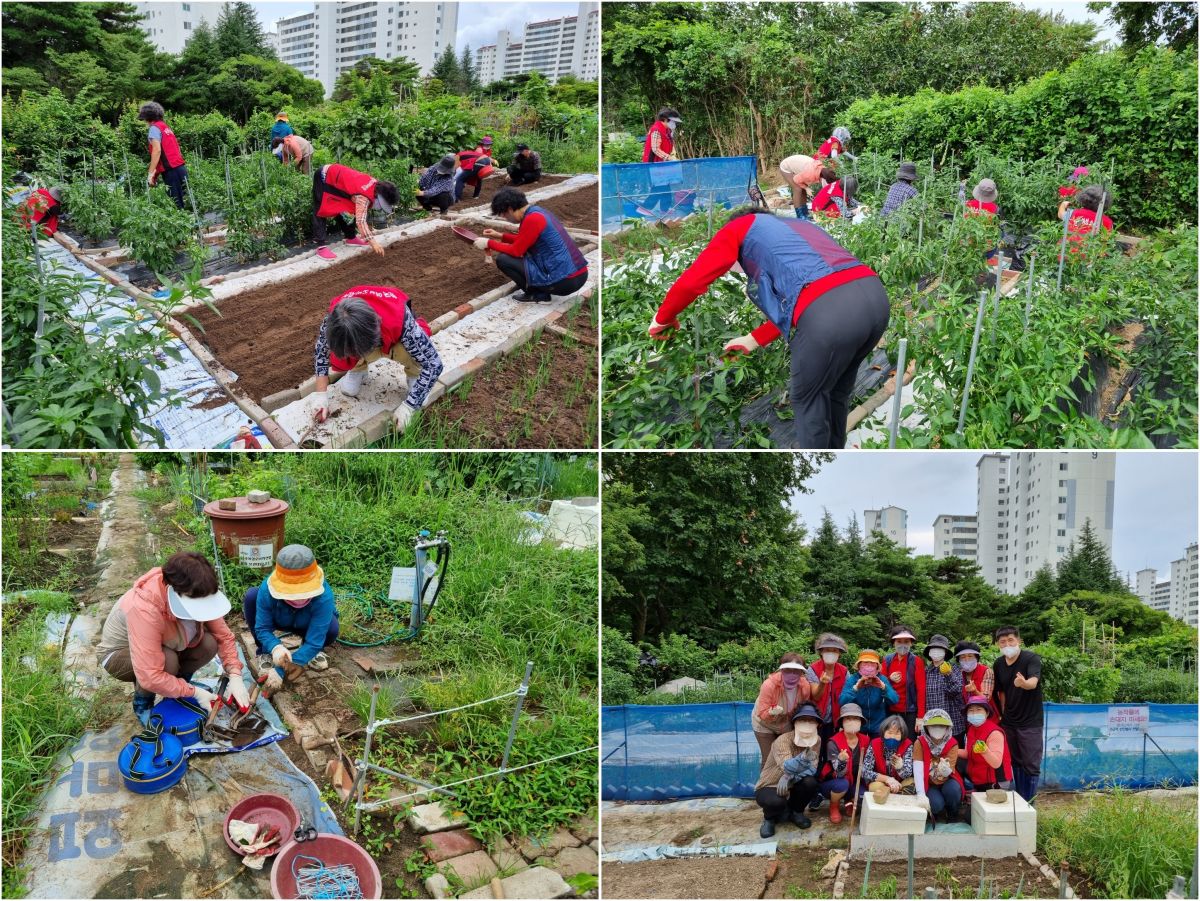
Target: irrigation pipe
{"x": 1029, "y": 289}
{"x": 894, "y": 430}
{"x": 962, "y": 413}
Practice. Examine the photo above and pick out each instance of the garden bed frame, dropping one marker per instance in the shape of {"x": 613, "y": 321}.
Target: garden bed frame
{"x": 460, "y": 361}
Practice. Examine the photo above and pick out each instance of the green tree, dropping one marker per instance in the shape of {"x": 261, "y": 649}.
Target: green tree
{"x": 248, "y": 83}
{"x": 238, "y": 33}
{"x": 446, "y": 70}
{"x": 832, "y": 580}
{"x": 468, "y": 76}
{"x": 1039, "y": 595}
{"x": 1087, "y": 566}
{"x": 536, "y": 92}
{"x": 1142, "y": 24}
{"x": 402, "y": 76}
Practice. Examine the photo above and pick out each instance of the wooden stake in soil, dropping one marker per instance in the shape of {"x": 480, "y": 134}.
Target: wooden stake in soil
{"x": 911, "y": 855}
{"x": 1062, "y": 250}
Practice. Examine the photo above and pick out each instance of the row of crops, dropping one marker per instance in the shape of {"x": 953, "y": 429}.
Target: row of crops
{"x": 1103, "y": 355}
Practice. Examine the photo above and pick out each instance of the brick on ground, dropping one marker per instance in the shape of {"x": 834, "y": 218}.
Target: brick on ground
{"x": 572, "y": 861}
{"x": 547, "y": 846}
{"x": 439, "y": 846}
{"x": 536, "y": 882}
{"x": 471, "y": 869}
{"x": 426, "y": 818}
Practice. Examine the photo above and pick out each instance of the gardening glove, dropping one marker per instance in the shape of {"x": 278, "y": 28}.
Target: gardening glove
{"x": 661, "y": 331}
{"x": 238, "y": 692}
{"x": 944, "y": 769}
{"x": 923, "y": 801}
{"x": 376, "y": 246}
{"x": 403, "y": 416}
{"x": 273, "y": 683}
{"x": 775, "y": 711}
{"x": 979, "y": 747}
{"x": 204, "y": 697}
{"x": 281, "y": 655}
{"x": 320, "y": 405}
{"x": 745, "y": 344}
{"x": 784, "y": 787}
{"x": 480, "y": 243}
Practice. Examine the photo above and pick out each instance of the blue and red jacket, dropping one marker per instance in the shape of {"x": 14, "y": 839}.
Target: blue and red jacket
{"x": 790, "y": 263}
{"x": 550, "y": 254}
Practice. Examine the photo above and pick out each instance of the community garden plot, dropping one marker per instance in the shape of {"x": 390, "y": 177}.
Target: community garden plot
{"x": 1104, "y": 356}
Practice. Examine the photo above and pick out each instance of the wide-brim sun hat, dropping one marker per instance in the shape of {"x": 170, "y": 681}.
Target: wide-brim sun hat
{"x": 867, "y": 657}
{"x": 937, "y": 717}
{"x": 902, "y": 633}
{"x": 806, "y": 711}
{"x": 486, "y": 141}
{"x": 446, "y": 164}
{"x": 985, "y": 191}
{"x": 907, "y": 172}
{"x": 792, "y": 664}
{"x": 979, "y": 701}
{"x": 938, "y": 641}
{"x": 296, "y": 576}
{"x": 200, "y": 609}
{"x": 829, "y": 640}
{"x": 850, "y": 710}
{"x": 966, "y": 647}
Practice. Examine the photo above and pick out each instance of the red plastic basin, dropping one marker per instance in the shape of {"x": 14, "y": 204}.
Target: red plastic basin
{"x": 264, "y": 810}
{"x": 331, "y": 850}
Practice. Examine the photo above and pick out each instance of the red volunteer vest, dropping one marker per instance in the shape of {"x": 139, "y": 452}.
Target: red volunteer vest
{"x": 882, "y": 757}
{"x": 1079, "y": 227}
{"x": 981, "y": 671}
{"x": 977, "y": 208}
{"x": 978, "y": 770}
{"x": 926, "y": 753}
{"x": 37, "y": 210}
{"x": 170, "y": 148}
{"x": 390, "y": 304}
{"x": 825, "y": 151}
{"x": 839, "y": 739}
{"x": 469, "y": 160}
{"x": 666, "y": 145}
{"x": 829, "y": 701}
{"x": 341, "y": 184}
{"x": 823, "y": 202}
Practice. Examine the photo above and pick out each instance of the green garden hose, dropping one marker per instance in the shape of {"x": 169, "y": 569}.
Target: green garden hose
{"x": 361, "y": 599}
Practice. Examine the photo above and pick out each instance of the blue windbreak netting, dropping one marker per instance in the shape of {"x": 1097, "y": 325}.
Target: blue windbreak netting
{"x": 655, "y": 753}
{"x": 670, "y": 190}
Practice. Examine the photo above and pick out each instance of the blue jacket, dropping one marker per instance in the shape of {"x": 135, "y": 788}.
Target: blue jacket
{"x": 553, "y": 255}
{"x": 873, "y": 701}
{"x": 783, "y": 256}
{"x": 281, "y": 129}
{"x": 312, "y": 621}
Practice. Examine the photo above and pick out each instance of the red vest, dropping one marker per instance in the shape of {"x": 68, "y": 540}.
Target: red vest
{"x": 666, "y": 145}
{"x": 882, "y": 756}
{"x": 42, "y": 209}
{"x": 981, "y": 671}
{"x": 824, "y": 200}
{"x": 839, "y": 739}
{"x": 341, "y": 184}
{"x": 978, "y": 770}
{"x": 825, "y": 151}
{"x": 829, "y": 700}
{"x": 170, "y": 148}
{"x": 469, "y": 161}
{"x": 978, "y": 207}
{"x": 912, "y": 697}
{"x": 390, "y": 304}
{"x": 1079, "y": 227}
{"x": 926, "y": 754}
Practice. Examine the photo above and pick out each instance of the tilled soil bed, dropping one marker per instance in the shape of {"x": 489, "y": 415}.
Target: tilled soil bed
{"x": 495, "y": 183}
{"x": 266, "y": 335}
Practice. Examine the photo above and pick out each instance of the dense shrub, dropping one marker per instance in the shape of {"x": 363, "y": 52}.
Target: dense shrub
{"x": 40, "y": 131}
{"x": 208, "y": 134}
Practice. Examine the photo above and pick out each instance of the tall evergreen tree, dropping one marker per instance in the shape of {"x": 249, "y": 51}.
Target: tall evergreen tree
{"x": 446, "y": 70}
{"x": 468, "y": 76}
{"x": 239, "y": 33}
{"x": 1087, "y": 566}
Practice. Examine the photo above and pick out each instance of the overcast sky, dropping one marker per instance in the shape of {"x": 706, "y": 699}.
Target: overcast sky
{"x": 1154, "y": 520}
{"x": 477, "y": 22}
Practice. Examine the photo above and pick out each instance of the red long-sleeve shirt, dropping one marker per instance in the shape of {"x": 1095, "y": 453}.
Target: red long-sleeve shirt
{"x": 899, "y": 665}
{"x": 719, "y": 257}
{"x": 530, "y": 229}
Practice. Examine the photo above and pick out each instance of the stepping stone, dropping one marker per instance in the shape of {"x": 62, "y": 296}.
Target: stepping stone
{"x": 547, "y": 846}
{"x": 584, "y": 828}
{"x": 440, "y": 846}
{"x": 438, "y": 886}
{"x": 537, "y": 882}
{"x": 573, "y": 861}
{"x": 426, "y": 818}
{"x": 508, "y": 858}
{"x": 472, "y": 869}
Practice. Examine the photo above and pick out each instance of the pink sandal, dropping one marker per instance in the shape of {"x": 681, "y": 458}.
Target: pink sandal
{"x": 357, "y": 242}
{"x": 326, "y": 254}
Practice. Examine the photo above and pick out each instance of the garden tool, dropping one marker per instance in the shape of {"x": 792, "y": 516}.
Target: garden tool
{"x": 241, "y": 719}
{"x": 212, "y": 733}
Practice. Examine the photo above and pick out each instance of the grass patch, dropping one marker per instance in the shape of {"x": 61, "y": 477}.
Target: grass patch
{"x": 1126, "y": 845}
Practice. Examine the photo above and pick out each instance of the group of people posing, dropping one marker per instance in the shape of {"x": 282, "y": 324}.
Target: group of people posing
{"x": 938, "y": 725}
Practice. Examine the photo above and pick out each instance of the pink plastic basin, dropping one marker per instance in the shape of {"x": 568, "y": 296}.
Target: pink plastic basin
{"x": 331, "y": 850}
{"x": 264, "y": 810}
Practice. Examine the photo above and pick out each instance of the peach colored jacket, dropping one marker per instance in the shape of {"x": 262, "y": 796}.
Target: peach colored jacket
{"x": 770, "y": 695}
{"x": 142, "y": 621}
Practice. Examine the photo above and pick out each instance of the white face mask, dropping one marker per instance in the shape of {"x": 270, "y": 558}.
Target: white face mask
{"x": 968, "y": 664}
{"x": 976, "y": 719}
{"x": 851, "y": 726}
{"x": 830, "y": 657}
{"x": 805, "y": 727}
{"x": 903, "y": 647}
{"x": 1011, "y": 651}
{"x": 937, "y": 655}
{"x": 937, "y": 733}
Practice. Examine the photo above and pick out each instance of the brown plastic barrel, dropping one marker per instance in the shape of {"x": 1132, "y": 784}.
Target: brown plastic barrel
{"x": 251, "y": 533}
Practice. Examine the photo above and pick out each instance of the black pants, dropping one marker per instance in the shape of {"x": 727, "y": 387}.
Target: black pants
{"x": 176, "y": 182}
{"x": 775, "y": 808}
{"x": 319, "y": 228}
{"x": 520, "y": 177}
{"x": 442, "y": 201}
{"x": 831, "y": 339}
{"x": 514, "y": 268}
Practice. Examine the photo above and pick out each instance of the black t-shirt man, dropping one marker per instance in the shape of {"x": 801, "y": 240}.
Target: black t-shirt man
{"x": 1020, "y": 707}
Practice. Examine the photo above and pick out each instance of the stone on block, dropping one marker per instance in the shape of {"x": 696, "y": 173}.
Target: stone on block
{"x": 901, "y": 815}
{"x": 998, "y": 819}
{"x": 537, "y": 882}
{"x": 472, "y": 869}
{"x": 438, "y": 886}
{"x": 439, "y": 846}
{"x": 434, "y": 818}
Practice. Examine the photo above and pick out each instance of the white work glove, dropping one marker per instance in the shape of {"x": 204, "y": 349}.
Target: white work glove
{"x": 403, "y": 416}
{"x": 943, "y": 768}
{"x": 923, "y": 801}
{"x": 320, "y": 405}
{"x": 281, "y": 655}
{"x": 480, "y": 243}
{"x": 920, "y": 724}
{"x": 204, "y": 697}
{"x": 775, "y": 711}
{"x": 273, "y": 683}
{"x": 661, "y": 331}
{"x": 149, "y": 181}
{"x": 237, "y": 691}
{"x": 744, "y": 344}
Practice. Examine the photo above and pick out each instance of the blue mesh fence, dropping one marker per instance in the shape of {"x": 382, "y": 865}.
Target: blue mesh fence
{"x": 671, "y": 190}
{"x": 655, "y": 753}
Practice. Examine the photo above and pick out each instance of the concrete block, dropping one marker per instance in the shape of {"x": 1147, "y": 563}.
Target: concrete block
{"x": 938, "y": 845}
{"x": 507, "y": 858}
{"x": 438, "y": 886}
{"x": 998, "y": 819}
{"x": 901, "y": 815}
{"x": 472, "y": 869}
{"x": 585, "y": 828}
{"x": 547, "y": 846}
{"x": 426, "y": 818}
{"x": 444, "y": 321}
{"x": 573, "y": 861}
{"x": 536, "y": 882}
{"x": 439, "y": 846}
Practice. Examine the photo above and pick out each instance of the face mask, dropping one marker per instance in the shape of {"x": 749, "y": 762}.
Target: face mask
{"x": 791, "y": 678}
{"x": 976, "y": 719}
{"x": 672, "y": 124}
{"x": 903, "y": 647}
{"x": 303, "y": 602}
{"x": 968, "y": 664}
{"x": 830, "y": 657}
{"x": 805, "y": 727}
{"x": 868, "y": 670}
{"x": 851, "y": 727}
{"x": 937, "y": 733}
{"x": 937, "y": 655}
{"x": 891, "y": 743}
{"x": 1011, "y": 651}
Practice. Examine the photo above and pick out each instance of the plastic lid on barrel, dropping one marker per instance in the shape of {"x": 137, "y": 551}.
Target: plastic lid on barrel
{"x": 245, "y": 509}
